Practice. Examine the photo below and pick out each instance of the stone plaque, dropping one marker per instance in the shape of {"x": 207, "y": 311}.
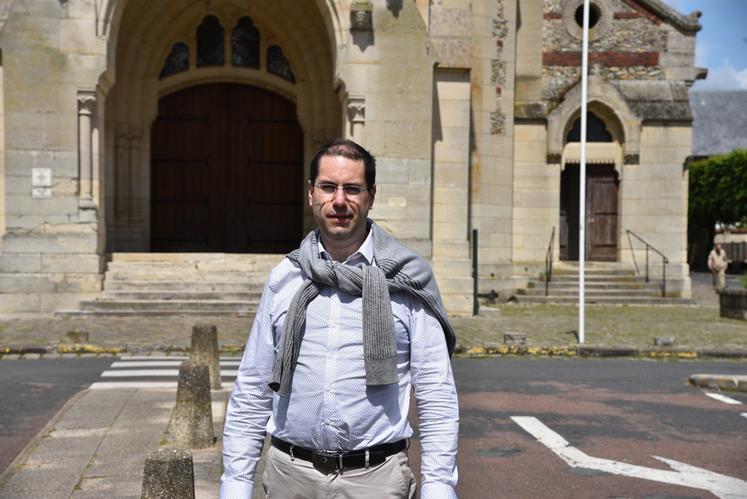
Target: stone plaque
{"x": 41, "y": 192}
{"x": 41, "y": 177}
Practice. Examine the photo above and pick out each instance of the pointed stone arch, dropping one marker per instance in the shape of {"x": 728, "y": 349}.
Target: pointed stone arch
{"x": 309, "y": 34}
{"x": 605, "y": 101}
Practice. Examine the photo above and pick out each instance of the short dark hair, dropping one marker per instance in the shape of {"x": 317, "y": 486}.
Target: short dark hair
{"x": 347, "y": 149}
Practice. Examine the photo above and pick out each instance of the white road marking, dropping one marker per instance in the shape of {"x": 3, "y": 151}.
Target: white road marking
{"x": 161, "y": 373}
{"x": 744, "y": 415}
{"x": 722, "y": 486}
{"x": 154, "y": 385}
{"x": 723, "y": 398}
{"x": 165, "y": 363}
{"x": 166, "y": 357}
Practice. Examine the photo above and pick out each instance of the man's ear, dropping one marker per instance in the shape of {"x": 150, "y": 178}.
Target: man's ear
{"x": 372, "y": 195}
{"x": 309, "y": 192}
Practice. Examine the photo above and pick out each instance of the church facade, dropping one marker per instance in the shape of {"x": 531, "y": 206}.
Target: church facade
{"x": 188, "y": 126}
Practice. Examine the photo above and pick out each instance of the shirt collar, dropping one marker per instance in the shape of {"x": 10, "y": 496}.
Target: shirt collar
{"x": 363, "y": 255}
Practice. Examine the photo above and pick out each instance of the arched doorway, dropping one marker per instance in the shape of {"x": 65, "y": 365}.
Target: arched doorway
{"x": 602, "y": 188}
{"x": 226, "y": 171}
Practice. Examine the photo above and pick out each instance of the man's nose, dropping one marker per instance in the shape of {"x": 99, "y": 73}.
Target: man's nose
{"x": 339, "y": 198}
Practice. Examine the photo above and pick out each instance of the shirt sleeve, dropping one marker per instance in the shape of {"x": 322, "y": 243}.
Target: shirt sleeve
{"x": 438, "y": 407}
{"x": 249, "y": 407}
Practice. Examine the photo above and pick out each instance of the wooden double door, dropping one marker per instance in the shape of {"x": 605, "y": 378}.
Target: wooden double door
{"x": 602, "y": 186}
{"x": 226, "y": 171}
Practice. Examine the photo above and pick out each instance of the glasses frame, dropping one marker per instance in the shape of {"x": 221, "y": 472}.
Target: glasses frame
{"x": 360, "y": 188}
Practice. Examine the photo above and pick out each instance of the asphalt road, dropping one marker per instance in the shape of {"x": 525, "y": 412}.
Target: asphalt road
{"x": 621, "y": 410}
{"x": 32, "y": 391}
{"x": 613, "y": 413}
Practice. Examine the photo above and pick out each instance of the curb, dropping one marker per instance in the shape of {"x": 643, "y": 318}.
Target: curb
{"x": 599, "y": 352}
{"x": 727, "y": 382}
{"x": 584, "y": 351}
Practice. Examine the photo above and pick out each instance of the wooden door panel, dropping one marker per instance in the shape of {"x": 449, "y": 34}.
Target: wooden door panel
{"x": 602, "y": 194}
{"x": 226, "y": 171}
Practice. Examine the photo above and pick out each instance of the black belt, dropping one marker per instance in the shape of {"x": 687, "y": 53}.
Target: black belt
{"x": 332, "y": 461}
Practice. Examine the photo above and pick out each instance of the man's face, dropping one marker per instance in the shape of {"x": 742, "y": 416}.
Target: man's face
{"x": 341, "y": 217}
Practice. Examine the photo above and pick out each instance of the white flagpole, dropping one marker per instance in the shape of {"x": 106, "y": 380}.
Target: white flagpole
{"x": 582, "y": 181}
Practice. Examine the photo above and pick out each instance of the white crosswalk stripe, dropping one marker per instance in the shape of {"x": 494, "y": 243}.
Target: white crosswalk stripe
{"x": 153, "y": 372}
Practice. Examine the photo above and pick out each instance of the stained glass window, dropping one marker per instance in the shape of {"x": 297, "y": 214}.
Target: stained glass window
{"x": 210, "y": 43}
{"x": 245, "y": 44}
{"x": 177, "y": 60}
{"x": 278, "y": 65}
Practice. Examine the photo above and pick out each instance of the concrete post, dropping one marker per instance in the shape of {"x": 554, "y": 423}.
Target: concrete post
{"x": 168, "y": 473}
{"x": 192, "y": 422}
{"x": 204, "y": 350}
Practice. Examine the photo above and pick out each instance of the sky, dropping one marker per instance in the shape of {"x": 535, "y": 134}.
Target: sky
{"x": 721, "y": 44}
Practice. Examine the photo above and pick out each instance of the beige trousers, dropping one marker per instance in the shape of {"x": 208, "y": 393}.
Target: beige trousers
{"x": 298, "y": 479}
{"x": 721, "y": 276}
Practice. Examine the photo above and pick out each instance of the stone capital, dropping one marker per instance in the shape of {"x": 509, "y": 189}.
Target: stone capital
{"x": 86, "y": 102}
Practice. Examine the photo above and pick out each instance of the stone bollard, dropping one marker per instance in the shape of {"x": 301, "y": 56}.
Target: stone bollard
{"x": 168, "y": 474}
{"x": 204, "y": 350}
{"x": 192, "y": 423}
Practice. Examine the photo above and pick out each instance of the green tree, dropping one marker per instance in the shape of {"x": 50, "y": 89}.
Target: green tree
{"x": 718, "y": 194}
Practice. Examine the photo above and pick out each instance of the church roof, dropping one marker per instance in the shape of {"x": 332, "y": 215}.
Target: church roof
{"x": 658, "y": 7}
{"x": 719, "y": 121}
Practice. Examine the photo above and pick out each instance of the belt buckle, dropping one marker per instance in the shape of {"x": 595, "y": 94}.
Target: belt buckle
{"x": 326, "y": 462}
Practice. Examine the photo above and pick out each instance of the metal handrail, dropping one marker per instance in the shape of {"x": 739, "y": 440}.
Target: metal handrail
{"x": 548, "y": 262}
{"x": 664, "y": 260}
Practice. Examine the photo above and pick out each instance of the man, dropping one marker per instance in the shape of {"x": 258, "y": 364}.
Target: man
{"x": 717, "y": 264}
{"x": 346, "y": 325}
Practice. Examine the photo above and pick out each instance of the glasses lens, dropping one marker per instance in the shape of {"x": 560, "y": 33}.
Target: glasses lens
{"x": 327, "y": 188}
{"x": 353, "y": 190}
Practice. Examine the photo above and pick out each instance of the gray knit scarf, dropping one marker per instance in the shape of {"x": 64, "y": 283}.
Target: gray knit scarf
{"x": 398, "y": 270}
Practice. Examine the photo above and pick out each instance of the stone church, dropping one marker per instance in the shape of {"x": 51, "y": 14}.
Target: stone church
{"x": 140, "y": 127}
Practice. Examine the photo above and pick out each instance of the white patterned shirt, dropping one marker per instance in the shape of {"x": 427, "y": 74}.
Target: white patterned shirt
{"x": 329, "y": 406}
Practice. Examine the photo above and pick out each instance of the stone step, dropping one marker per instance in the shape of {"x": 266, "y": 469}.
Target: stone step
{"x": 267, "y": 258}
{"x": 174, "y": 295}
{"x": 155, "y": 285}
{"x": 81, "y": 314}
{"x": 606, "y": 300}
{"x": 216, "y": 306}
{"x": 600, "y": 285}
{"x": 590, "y": 292}
{"x": 592, "y": 277}
{"x": 190, "y": 266}
{"x": 188, "y": 276}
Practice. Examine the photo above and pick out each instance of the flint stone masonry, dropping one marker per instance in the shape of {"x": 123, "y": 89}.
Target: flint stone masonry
{"x": 204, "y": 350}
{"x": 168, "y": 474}
{"x": 192, "y": 421}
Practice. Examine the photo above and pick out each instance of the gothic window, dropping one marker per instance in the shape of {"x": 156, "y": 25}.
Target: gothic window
{"x": 177, "y": 60}
{"x": 278, "y": 65}
{"x": 596, "y": 131}
{"x": 245, "y": 44}
{"x": 210, "y": 42}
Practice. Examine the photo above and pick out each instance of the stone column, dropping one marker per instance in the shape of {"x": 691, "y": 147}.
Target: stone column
{"x": 86, "y": 114}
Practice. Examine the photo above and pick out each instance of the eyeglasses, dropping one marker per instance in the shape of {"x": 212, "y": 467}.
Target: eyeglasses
{"x": 330, "y": 189}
